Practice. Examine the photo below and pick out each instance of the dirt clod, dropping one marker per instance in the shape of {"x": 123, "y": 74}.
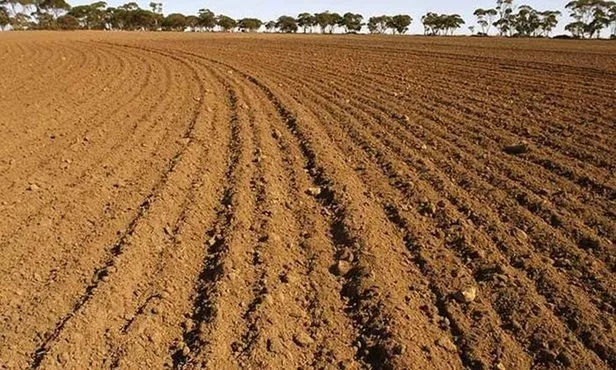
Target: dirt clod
{"x": 466, "y": 295}
{"x": 302, "y": 339}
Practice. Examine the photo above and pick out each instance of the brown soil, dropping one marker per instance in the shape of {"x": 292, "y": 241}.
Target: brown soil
{"x": 232, "y": 201}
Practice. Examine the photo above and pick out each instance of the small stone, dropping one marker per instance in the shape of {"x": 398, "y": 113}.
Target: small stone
{"x": 168, "y": 230}
{"x": 499, "y": 366}
{"x": 347, "y": 255}
{"x": 446, "y": 343}
{"x": 467, "y": 295}
{"x": 399, "y": 349}
{"x": 276, "y": 134}
{"x": 564, "y": 359}
{"x": 516, "y": 149}
{"x": 342, "y": 268}
{"x": 546, "y": 355}
{"x": 185, "y": 350}
{"x": 316, "y": 191}
{"x": 63, "y": 358}
{"x": 33, "y": 187}
{"x": 302, "y": 339}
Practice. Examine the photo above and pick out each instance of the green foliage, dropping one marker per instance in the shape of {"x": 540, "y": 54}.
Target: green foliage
{"x": 270, "y": 26}
{"x": 249, "y": 24}
{"x": 400, "y": 23}
{"x": 379, "y": 24}
{"x": 485, "y": 19}
{"x": 207, "y": 19}
{"x": 68, "y": 22}
{"x": 192, "y": 21}
{"x": 174, "y": 22}
{"x": 287, "y": 24}
{"x": 327, "y": 21}
{"x": 226, "y": 23}
{"x": 306, "y": 21}
{"x": 441, "y": 24}
{"x": 4, "y": 17}
{"x": 352, "y": 22}
{"x": 590, "y": 17}
{"x": 530, "y": 22}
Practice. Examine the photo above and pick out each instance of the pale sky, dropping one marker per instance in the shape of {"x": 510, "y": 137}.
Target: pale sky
{"x": 272, "y": 9}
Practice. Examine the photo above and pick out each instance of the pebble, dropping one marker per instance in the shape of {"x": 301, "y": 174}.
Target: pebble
{"x": 516, "y": 149}
{"x": 302, "y": 339}
{"x": 33, "y": 187}
{"x": 342, "y": 268}
{"x": 314, "y": 191}
{"x": 467, "y": 295}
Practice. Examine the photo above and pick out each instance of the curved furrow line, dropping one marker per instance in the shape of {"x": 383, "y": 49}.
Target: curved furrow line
{"x": 103, "y": 272}
{"x": 160, "y": 305}
{"x": 561, "y": 171}
{"x": 328, "y": 319}
{"x": 60, "y": 140}
{"x": 398, "y": 84}
{"x": 374, "y": 81}
{"x": 369, "y": 306}
{"x": 552, "y": 123}
{"x": 437, "y": 67}
{"x": 277, "y": 260}
{"x": 595, "y": 343}
{"x": 401, "y": 184}
{"x": 581, "y": 238}
{"x": 87, "y": 171}
{"x": 582, "y": 174}
{"x": 106, "y": 102}
{"x": 514, "y": 70}
{"x": 580, "y": 256}
{"x": 221, "y": 234}
{"x": 584, "y": 237}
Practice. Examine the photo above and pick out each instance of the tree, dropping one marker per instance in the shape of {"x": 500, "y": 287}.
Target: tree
{"x": 327, "y": 21}
{"x": 270, "y": 26}
{"x": 192, "y": 21}
{"x": 504, "y": 9}
{"x": 249, "y": 24}
{"x": 352, "y": 22}
{"x": 157, "y": 7}
{"x": 287, "y": 24}
{"x": 485, "y": 19}
{"x": 443, "y": 24}
{"x": 21, "y": 21}
{"x": 306, "y": 21}
{"x": 174, "y": 22}
{"x": 207, "y": 19}
{"x": 612, "y": 19}
{"x": 4, "y": 18}
{"x": 400, "y": 23}
{"x": 227, "y": 24}
{"x": 91, "y": 16}
{"x": 547, "y": 21}
{"x": 526, "y": 21}
{"x": 68, "y": 22}
{"x": 378, "y": 24}
{"x": 590, "y": 17}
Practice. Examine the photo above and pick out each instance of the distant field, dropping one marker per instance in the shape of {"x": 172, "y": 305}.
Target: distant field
{"x": 270, "y": 201}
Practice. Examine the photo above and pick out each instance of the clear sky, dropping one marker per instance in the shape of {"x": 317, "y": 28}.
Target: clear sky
{"x": 272, "y": 9}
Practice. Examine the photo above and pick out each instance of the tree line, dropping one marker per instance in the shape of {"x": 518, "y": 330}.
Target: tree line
{"x": 590, "y": 17}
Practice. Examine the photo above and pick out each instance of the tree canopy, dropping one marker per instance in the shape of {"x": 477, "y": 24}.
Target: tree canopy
{"x": 509, "y": 18}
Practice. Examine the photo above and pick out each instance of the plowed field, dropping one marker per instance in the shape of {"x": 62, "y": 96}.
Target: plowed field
{"x": 229, "y": 201}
